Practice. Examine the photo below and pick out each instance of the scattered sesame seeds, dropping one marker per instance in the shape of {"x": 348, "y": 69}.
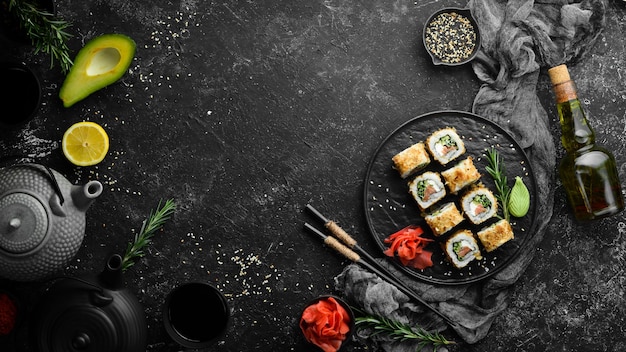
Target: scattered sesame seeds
{"x": 254, "y": 278}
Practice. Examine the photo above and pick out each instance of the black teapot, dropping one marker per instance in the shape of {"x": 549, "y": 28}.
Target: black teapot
{"x": 92, "y": 314}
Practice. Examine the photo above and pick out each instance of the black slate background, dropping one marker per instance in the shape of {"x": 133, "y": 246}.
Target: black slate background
{"x": 243, "y": 112}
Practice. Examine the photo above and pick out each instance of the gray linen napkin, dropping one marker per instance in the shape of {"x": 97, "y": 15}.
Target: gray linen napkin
{"x": 521, "y": 37}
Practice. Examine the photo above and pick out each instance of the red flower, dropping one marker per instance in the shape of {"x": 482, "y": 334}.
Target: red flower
{"x": 325, "y": 324}
{"x": 408, "y": 245}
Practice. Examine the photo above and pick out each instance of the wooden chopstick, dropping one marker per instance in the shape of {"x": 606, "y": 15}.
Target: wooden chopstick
{"x": 348, "y": 240}
{"x": 334, "y": 228}
{"x": 384, "y": 274}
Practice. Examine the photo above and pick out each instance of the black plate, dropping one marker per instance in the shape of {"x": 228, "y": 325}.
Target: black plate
{"x": 389, "y": 207}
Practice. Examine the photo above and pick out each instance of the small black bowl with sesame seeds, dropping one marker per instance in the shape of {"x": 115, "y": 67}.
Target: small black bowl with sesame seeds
{"x": 451, "y": 36}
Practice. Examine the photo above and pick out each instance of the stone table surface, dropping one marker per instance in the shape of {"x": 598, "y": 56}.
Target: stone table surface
{"x": 245, "y": 111}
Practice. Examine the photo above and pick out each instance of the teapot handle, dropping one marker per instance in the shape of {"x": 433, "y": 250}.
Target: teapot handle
{"x": 99, "y": 298}
{"x": 53, "y": 178}
{"x": 55, "y": 184}
{"x": 91, "y": 285}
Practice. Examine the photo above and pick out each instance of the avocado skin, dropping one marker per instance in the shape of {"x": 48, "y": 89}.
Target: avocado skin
{"x": 80, "y": 82}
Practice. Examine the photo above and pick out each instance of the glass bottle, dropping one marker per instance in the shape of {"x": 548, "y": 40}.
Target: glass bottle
{"x": 588, "y": 171}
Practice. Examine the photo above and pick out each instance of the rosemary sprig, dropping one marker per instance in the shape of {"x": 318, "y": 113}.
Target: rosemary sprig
{"x": 47, "y": 33}
{"x": 157, "y": 218}
{"x": 497, "y": 171}
{"x": 402, "y": 332}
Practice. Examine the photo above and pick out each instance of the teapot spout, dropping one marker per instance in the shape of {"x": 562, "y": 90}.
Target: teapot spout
{"x": 111, "y": 276}
{"x": 83, "y": 196}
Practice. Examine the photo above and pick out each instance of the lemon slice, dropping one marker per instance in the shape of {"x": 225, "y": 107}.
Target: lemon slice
{"x": 85, "y": 143}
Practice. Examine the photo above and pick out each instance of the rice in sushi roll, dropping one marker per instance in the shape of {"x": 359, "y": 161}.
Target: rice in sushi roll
{"x": 461, "y": 175}
{"x": 479, "y": 204}
{"x": 411, "y": 160}
{"x": 495, "y": 235}
{"x": 444, "y": 218}
{"x": 461, "y": 248}
{"x": 427, "y": 189}
{"x": 445, "y": 145}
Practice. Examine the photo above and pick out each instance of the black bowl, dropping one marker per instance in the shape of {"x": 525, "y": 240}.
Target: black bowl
{"x": 465, "y": 57}
{"x": 195, "y": 315}
{"x": 344, "y": 305}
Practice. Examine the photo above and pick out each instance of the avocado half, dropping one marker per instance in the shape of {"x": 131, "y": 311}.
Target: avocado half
{"x": 101, "y": 62}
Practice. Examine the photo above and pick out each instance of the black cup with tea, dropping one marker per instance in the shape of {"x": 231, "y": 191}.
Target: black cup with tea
{"x": 20, "y": 94}
{"x": 195, "y": 314}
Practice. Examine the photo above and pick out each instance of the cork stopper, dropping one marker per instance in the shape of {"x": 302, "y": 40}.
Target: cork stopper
{"x": 559, "y": 74}
{"x": 564, "y": 87}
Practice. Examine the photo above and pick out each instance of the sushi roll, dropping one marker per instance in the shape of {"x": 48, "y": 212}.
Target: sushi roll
{"x": 495, "y": 235}
{"x": 479, "y": 204}
{"x": 461, "y": 175}
{"x": 444, "y": 218}
{"x": 411, "y": 160}
{"x": 445, "y": 145}
{"x": 427, "y": 189}
{"x": 461, "y": 248}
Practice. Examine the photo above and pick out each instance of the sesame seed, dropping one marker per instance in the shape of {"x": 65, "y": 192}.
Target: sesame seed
{"x": 450, "y": 37}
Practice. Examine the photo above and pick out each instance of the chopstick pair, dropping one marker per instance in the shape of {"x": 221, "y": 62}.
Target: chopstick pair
{"x": 347, "y": 246}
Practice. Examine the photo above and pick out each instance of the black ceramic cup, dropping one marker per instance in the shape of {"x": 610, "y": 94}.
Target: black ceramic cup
{"x": 341, "y": 302}
{"x": 20, "y": 94}
{"x": 195, "y": 314}
{"x": 475, "y": 55}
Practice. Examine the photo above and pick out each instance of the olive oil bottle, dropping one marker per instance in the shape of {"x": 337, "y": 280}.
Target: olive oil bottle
{"x": 588, "y": 171}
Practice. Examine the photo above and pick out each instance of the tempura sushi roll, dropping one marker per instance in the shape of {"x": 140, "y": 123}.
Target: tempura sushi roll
{"x": 444, "y": 218}
{"x": 495, "y": 235}
{"x": 479, "y": 204}
{"x": 411, "y": 160}
{"x": 461, "y": 175}
{"x": 427, "y": 189}
{"x": 461, "y": 248}
{"x": 445, "y": 145}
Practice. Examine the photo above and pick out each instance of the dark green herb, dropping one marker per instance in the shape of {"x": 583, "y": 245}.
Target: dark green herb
{"x": 155, "y": 221}
{"x": 421, "y": 188}
{"x": 456, "y": 247}
{"x": 402, "y": 332}
{"x": 482, "y": 200}
{"x": 497, "y": 171}
{"x": 47, "y": 33}
{"x": 447, "y": 141}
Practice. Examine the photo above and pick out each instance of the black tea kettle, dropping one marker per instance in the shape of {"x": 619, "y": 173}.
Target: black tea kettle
{"x": 92, "y": 314}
